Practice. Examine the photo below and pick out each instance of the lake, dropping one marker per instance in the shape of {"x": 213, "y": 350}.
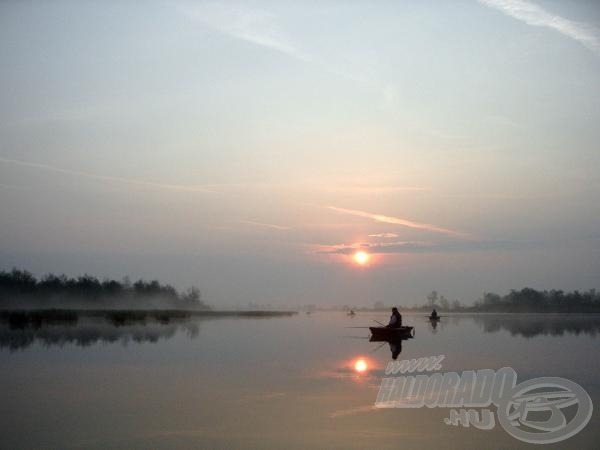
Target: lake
{"x": 286, "y": 382}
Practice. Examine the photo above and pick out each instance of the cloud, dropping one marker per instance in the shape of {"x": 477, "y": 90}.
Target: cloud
{"x": 251, "y": 25}
{"x": 534, "y": 15}
{"x": 262, "y": 28}
{"x": 386, "y": 247}
{"x": 398, "y": 221}
{"x": 384, "y": 235}
{"x": 262, "y": 224}
{"x": 424, "y": 247}
{"x": 143, "y": 183}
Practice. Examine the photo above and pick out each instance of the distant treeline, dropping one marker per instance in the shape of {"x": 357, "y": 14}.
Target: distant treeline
{"x": 522, "y": 301}
{"x": 21, "y": 289}
{"x": 526, "y": 300}
{"x": 530, "y": 300}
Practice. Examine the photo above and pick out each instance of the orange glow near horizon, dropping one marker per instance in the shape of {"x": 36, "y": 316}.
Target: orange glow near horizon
{"x": 361, "y": 258}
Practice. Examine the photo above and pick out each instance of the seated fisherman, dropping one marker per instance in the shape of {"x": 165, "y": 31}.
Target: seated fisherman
{"x": 395, "y": 319}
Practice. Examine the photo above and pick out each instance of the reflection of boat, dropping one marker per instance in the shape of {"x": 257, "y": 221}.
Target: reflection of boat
{"x": 433, "y": 321}
{"x": 394, "y": 341}
{"x": 386, "y": 333}
{"x": 378, "y": 338}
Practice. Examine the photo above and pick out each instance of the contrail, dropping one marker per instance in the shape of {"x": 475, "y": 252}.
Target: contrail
{"x": 398, "y": 221}
{"x": 535, "y": 15}
{"x": 251, "y": 25}
{"x": 173, "y": 187}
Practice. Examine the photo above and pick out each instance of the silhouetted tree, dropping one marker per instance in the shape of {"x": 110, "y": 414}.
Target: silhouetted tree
{"x": 20, "y": 289}
{"x": 432, "y": 298}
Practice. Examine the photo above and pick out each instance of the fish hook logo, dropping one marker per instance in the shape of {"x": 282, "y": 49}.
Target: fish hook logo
{"x": 544, "y": 398}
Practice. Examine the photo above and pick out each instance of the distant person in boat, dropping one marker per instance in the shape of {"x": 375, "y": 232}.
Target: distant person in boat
{"x": 434, "y": 314}
{"x": 395, "y": 319}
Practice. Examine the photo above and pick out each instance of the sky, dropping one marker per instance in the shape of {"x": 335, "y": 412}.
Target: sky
{"x": 251, "y": 148}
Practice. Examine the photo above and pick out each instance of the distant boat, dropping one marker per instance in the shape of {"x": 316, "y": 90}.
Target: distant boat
{"x": 434, "y": 319}
{"x": 391, "y": 333}
{"x": 351, "y": 313}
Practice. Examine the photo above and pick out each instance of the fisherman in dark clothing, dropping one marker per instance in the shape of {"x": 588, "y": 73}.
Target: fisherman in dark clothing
{"x": 395, "y": 319}
{"x": 434, "y": 314}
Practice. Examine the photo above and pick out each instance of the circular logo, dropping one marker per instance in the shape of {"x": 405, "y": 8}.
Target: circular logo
{"x": 544, "y": 397}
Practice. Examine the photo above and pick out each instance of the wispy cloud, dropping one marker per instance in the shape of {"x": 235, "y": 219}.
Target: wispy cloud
{"x": 535, "y": 15}
{"x": 387, "y": 247}
{"x": 398, "y": 221}
{"x": 424, "y": 247}
{"x": 384, "y": 235}
{"x": 247, "y": 24}
{"x": 143, "y": 183}
{"x": 265, "y": 225}
{"x": 263, "y": 28}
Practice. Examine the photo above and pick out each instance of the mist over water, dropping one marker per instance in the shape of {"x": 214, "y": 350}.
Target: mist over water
{"x": 181, "y": 384}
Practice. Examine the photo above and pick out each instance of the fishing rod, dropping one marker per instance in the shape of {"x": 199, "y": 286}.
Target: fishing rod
{"x": 378, "y": 347}
{"x": 369, "y": 327}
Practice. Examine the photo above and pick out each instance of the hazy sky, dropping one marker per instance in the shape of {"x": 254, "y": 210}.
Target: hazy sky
{"x": 249, "y": 148}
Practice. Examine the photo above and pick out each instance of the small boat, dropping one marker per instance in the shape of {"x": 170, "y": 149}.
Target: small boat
{"x": 391, "y": 333}
{"x": 434, "y": 319}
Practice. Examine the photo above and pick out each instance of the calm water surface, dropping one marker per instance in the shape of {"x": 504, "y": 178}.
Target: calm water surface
{"x": 267, "y": 383}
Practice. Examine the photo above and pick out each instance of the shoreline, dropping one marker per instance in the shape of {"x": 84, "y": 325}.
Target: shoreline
{"x": 38, "y": 317}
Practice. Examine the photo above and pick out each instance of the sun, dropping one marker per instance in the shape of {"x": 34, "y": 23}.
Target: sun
{"x": 360, "y": 365}
{"x": 361, "y": 258}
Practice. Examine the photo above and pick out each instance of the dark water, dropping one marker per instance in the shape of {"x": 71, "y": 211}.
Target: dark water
{"x": 267, "y": 383}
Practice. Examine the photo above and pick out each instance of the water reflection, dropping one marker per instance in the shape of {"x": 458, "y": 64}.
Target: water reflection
{"x": 394, "y": 343}
{"x": 434, "y": 323}
{"x": 89, "y": 331}
{"x": 543, "y": 324}
{"x": 305, "y": 371}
